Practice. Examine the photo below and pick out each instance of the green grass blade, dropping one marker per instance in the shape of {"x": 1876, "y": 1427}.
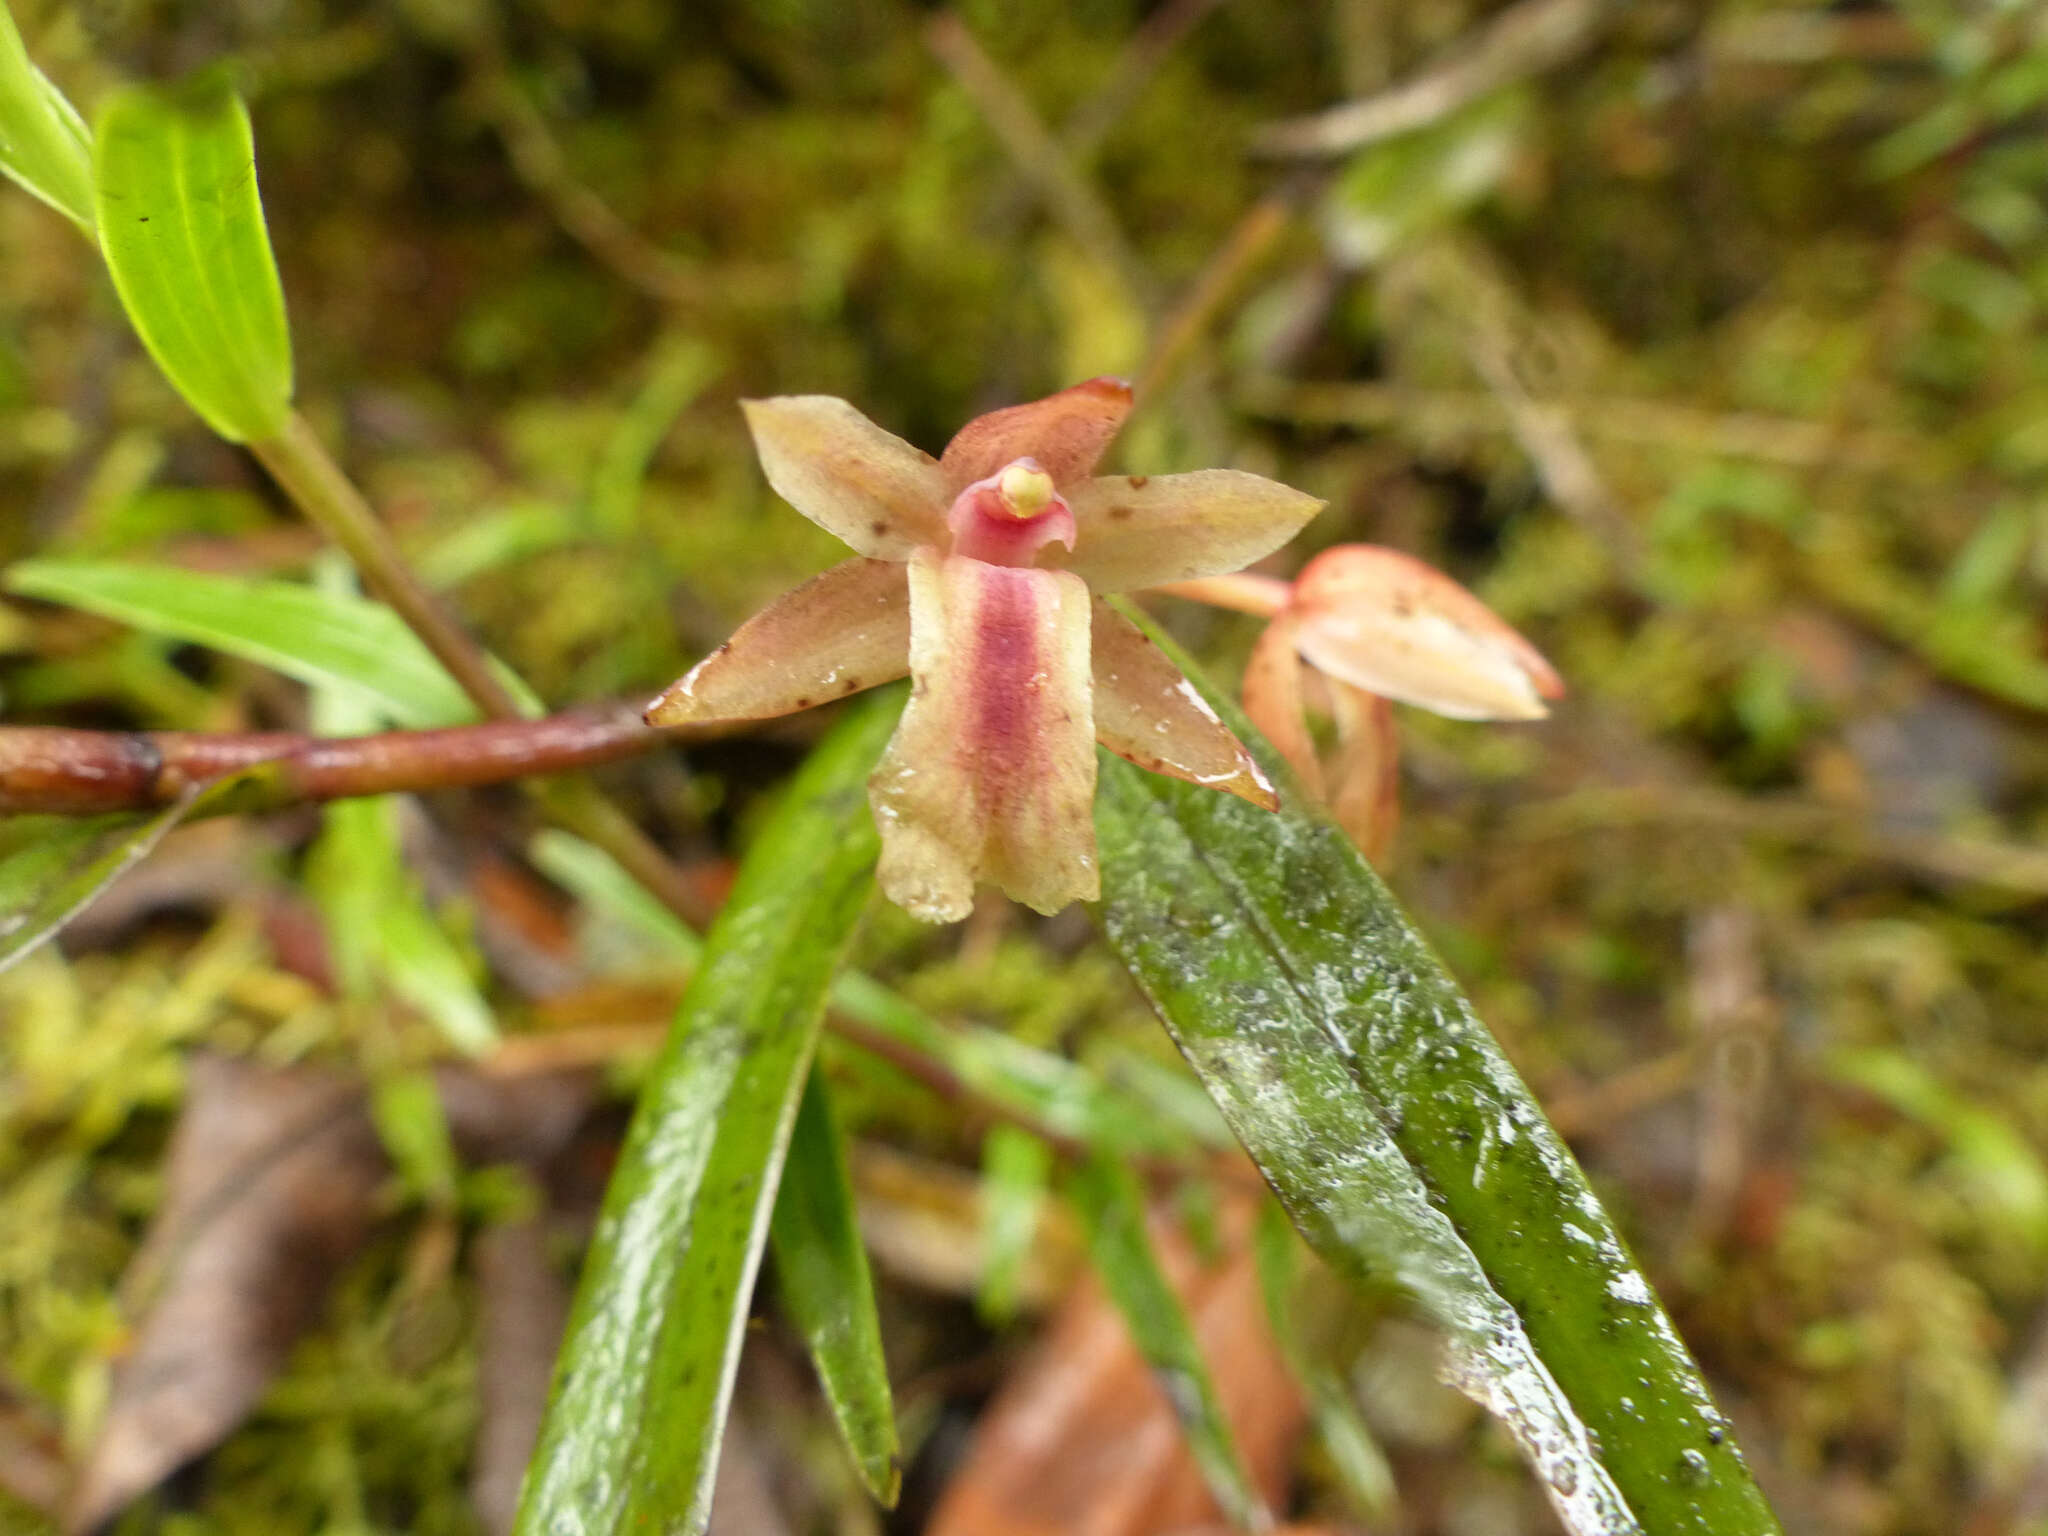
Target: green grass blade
{"x": 1112, "y": 1206}
{"x": 323, "y": 639}
{"x": 54, "y": 867}
{"x": 1016, "y": 1167}
{"x": 1403, "y": 1144}
{"x": 631, "y": 1438}
{"x": 596, "y": 879}
{"x": 1347, "y": 1440}
{"x": 44, "y": 145}
{"x": 1049, "y": 1090}
{"x": 823, "y": 1274}
{"x": 181, "y": 227}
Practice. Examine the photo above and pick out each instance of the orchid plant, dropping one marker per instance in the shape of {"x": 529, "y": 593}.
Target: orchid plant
{"x": 981, "y": 574}
{"x": 1339, "y": 1054}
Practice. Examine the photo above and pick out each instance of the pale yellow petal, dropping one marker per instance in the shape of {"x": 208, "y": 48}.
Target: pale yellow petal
{"x": 847, "y": 475}
{"x": 1066, "y": 433}
{"x": 836, "y": 634}
{"x": 1386, "y": 622}
{"x": 991, "y": 774}
{"x": 1144, "y": 531}
{"x": 1146, "y": 711}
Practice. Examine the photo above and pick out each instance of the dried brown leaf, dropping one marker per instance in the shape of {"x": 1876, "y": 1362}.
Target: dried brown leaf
{"x": 1082, "y": 1441}
{"x": 271, "y": 1185}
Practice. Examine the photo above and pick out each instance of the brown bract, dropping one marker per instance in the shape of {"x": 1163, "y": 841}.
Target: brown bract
{"x": 980, "y": 573}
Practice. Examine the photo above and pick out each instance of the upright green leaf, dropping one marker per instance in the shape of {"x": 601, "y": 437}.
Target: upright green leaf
{"x": 323, "y": 639}
{"x": 44, "y": 145}
{"x": 181, "y": 227}
{"x": 631, "y": 1438}
{"x": 1403, "y": 1144}
{"x": 1112, "y": 1208}
{"x": 822, "y": 1270}
{"x": 1347, "y": 1440}
{"x": 381, "y": 929}
{"x": 1016, "y": 1167}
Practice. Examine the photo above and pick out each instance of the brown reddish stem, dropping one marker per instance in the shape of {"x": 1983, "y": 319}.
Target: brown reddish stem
{"x": 55, "y": 770}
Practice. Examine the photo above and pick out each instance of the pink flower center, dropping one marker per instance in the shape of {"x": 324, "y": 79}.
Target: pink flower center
{"x": 1007, "y": 518}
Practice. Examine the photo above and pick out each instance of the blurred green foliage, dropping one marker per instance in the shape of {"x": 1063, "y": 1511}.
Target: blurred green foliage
{"x": 1716, "y": 357}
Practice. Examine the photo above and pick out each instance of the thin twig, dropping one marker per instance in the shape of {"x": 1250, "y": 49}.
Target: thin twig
{"x": 327, "y": 498}
{"x": 1157, "y": 36}
{"x": 54, "y": 770}
{"x": 1248, "y": 244}
{"x": 1980, "y": 861}
{"x": 1520, "y": 42}
{"x": 315, "y": 483}
{"x": 1789, "y": 440}
{"x": 1038, "y": 155}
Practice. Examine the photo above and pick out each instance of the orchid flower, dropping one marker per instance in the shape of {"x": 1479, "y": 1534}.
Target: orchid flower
{"x": 1365, "y": 625}
{"x": 979, "y": 574}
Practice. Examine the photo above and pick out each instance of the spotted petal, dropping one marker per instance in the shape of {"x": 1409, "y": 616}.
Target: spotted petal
{"x": 836, "y": 634}
{"x": 847, "y": 475}
{"x": 1385, "y": 622}
{"x": 1066, "y": 433}
{"x": 1145, "y": 530}
{"x": 1146, "y": 711}
{"x": 991, "y": 774}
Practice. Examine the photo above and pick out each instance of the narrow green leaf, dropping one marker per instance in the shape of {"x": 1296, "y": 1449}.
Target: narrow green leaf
{"x": 1403, "y": 1144}
{"x": 181, "y": 227}
{"x": 1052, "y": 1091}
{"x": 54, "y": 867}
{"x": 323, "y": 639}
{"x": 1061, "y": 1095}
{"x": 44, "y": 145}
{"x": 595, "y": 878}
{"x": 823, "y": 1274}
{"x": 631, "y": 1438}
{"x": 1112, "y": 1205}
{"x": 405, "y": 1107}
{"x": 379, "y": 927}
{"x": 1016, "y": 1166}
{"x": 680, "y": 368}
{"x": 1348, "y": 1441}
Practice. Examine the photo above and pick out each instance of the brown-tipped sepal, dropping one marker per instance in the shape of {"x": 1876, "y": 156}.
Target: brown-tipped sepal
{"x": 838, "y": 633}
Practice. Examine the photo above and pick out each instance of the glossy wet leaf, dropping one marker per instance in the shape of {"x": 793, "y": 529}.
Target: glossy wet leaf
{"x": 323, "y": 639}
{"x": 1112, "y": 1205}
{"x": 53, "y": 867}
{"x": 821, "y": 1270}
{"x": 44, "y": 143}
{"x": 1405, "y": 1147}
{"x": 632, "y": 1436}
{"x": 181, "y": 227}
